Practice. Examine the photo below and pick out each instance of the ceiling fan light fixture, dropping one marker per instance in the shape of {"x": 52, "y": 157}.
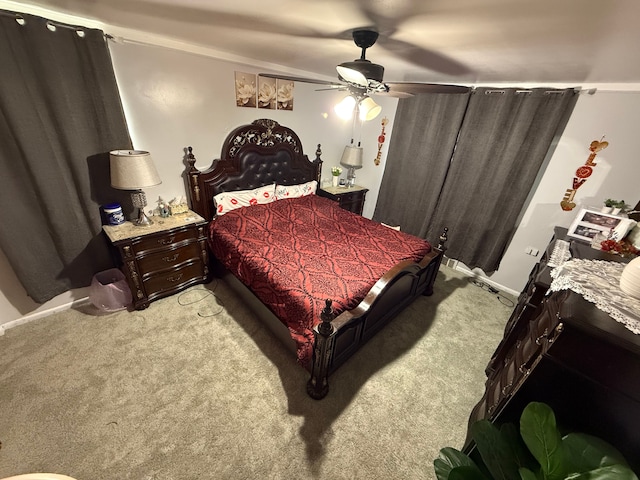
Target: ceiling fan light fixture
{"x": 344, "y": 109}
{"x": 369, "y": 109}
{"x": 358, "y": 69}
{"x": 350, "y": 75}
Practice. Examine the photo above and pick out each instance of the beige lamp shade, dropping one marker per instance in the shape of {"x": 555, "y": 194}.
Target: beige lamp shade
{"x": 132, "y": 170}
{"x": 351, "y": 157}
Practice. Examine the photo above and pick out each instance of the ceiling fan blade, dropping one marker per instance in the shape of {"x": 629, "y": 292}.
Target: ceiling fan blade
{"x": 414, "y": 88}
{"x": 424, "y": 58}
{"x": 301, "y": 79}
{"x": 395, "y": 94}
{"x": 334, "y": 88}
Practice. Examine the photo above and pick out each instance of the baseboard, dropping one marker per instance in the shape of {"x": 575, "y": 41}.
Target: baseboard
{"x": 462, "y": 268}
{"x": 41, "y": 314}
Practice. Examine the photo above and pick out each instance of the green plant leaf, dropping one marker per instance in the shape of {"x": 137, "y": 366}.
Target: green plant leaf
{"x": 611, "y": 472}
{"x": 521, "y": 455}
{"x": 448, "y": 459}
{"x": 585, "y": 452}
{"x": 526, "y": 474}
{"x": 540, "y": 434}
{"x": 466, "y": 473}
{"x": 495, "y": 451}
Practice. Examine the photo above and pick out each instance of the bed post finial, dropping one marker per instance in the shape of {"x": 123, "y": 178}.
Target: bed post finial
{"x": 442, "y": 240}
{"x": 193, "y": 174}
{"x": 191, "y": 158}
{"x": 318, "y": 384}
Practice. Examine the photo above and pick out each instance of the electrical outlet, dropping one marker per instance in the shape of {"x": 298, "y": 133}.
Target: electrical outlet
{"x": 532, "y": 251}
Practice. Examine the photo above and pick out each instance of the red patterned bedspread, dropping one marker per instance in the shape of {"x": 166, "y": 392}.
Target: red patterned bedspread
{"x": 295, "y": 253}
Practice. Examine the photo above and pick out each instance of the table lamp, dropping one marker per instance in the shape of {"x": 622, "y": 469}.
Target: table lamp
{"x": 134, "y": 170}
{"x": 352, "y": 160}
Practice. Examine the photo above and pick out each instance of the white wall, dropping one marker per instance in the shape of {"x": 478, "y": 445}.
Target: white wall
{"x": 613, "y": 115}
{"x": 174, "y": 99}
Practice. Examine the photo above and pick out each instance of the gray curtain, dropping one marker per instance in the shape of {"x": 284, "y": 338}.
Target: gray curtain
{"x": 424, "y": 135}
{"x": 504, "y": 139}
{"x": 60, "y": 114}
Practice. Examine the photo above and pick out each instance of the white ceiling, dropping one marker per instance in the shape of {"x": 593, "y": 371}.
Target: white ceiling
{"x": 546, "y": 42}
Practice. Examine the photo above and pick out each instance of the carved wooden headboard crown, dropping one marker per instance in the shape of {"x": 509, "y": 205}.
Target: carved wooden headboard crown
{"x": 261, "y": 153}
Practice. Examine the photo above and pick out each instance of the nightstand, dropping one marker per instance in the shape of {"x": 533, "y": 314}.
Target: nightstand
{"x": 349, "y": 198}
{"x": 163, "y": 258}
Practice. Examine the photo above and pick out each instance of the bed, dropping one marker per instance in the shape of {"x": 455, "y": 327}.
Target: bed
{"x": 328, "y": 279}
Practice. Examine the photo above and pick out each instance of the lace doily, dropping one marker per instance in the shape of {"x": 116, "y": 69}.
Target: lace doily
{"x": 598, "y": 281}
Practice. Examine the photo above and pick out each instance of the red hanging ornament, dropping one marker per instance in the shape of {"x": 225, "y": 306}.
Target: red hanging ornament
{"x": 381, "y": 139}
{"x": 582, "y": 173}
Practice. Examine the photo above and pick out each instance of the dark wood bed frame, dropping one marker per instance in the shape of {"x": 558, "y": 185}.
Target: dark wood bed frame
{"x": 265, "y": 152}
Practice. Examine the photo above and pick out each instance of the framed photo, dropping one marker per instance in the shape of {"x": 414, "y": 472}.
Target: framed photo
{"x": 245, "y": 89}
{"x": 284, "y": 95}
{"x": 267, "y": 93}
{"x": 589, "y": 223}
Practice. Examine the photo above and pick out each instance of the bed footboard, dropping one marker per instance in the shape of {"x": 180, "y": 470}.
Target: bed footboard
{"x": 339, "y": 337}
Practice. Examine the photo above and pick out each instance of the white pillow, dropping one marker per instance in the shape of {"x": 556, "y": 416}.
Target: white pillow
{"x": 227, "y": 201}
{"x": 295, "y": 191}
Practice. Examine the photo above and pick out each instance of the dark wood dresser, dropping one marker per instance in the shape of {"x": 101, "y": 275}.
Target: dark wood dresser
{"x": 349, "y": 198}
{"x": 163, "y": 258}
{"x": 562, "y": 350}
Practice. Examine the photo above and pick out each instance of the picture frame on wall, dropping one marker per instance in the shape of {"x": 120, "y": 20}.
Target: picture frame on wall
{"x": 246, "y": 90}
{"x": 267, "y": 93}
{"x": 589, "y": 223}
{"x": 285, "y": 94}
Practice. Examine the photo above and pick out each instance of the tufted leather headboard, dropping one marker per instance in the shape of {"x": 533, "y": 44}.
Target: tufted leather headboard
{"x": 254, "y": 155}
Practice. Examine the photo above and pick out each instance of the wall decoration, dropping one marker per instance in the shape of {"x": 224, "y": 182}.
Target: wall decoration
{"x": 267, "y": 91}
{"x": 589, "y": 223}
{"x": 381, "y": 139}
{"x": 582, "y": 173}
{"x": 245, "y": 89}
{"x": 284, "y": 94}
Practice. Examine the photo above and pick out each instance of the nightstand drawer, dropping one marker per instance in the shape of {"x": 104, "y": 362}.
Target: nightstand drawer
{"x": 173, "y": 280}
{"x": 351, "y": 198}
{"x": 162, "y": 240}
{"x": 168, "y": 257}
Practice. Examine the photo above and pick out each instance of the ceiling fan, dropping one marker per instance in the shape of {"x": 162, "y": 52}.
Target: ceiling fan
{"x": 363, "y": 78}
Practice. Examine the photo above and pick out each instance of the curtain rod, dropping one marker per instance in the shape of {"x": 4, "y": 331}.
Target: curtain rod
{"x": 520, "y": 91}
{"x": 51, "y": 24}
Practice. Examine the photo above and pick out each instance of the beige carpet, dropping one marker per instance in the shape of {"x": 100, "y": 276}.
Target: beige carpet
{"x": 195, "y": 388}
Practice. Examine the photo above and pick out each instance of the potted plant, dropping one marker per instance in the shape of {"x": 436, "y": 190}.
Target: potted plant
{"x": 608, "y": 205}
{"x": 619, "y": 207}
{"x": 614, "y": 206}
{"x": 537, "y": 451}
{"x": 336, "y": 172}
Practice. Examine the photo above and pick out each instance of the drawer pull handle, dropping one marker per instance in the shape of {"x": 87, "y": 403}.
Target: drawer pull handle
{"x": 170, "y": 259}
{"x": 166, "y": 241}
{"x": 545, "y": 334}
{"x": 174, "y": 279}
{"x": 506, "y": 389}
{"x": 557, "y": 331}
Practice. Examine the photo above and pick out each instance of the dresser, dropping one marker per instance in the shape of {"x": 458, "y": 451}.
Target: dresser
{"x": 163, "y": 258}
{"x": 349, "y": 198}
{"x": 562, "y": 350}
